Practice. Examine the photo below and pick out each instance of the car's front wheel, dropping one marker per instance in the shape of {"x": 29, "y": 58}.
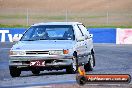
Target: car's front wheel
{"x": 73, "y": 67}
{"x": 14, "y": 71}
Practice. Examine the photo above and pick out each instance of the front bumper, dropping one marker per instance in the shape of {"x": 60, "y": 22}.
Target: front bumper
{"x": 50, "y": 61}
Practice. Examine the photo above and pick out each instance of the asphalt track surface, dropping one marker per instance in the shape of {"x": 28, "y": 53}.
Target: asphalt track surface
{"x": 110, "y": 59}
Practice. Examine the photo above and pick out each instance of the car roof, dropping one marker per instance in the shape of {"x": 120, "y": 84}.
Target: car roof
{"x": 56, "y": 23}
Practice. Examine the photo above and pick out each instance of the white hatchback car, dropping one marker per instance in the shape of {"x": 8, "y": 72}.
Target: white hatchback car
{"x": 52, "y": 46}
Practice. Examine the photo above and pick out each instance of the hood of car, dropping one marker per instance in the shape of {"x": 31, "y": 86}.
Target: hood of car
{"x": 44, "y": 45}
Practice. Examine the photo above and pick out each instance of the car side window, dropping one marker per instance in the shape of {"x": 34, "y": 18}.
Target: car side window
{"x": 83, "y": 29}
{"x": 78, "y": 32}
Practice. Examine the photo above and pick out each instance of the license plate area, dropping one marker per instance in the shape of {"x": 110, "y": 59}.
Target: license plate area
{"x": 37, "y": 63}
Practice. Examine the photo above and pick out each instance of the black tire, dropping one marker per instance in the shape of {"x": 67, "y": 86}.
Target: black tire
{"x": 92, "y": 52}
{"x": 14, "y": 71}
{"x": 71, "y": 70}
{"x": 36, "y": 72}
{"x": 73, "y": 67}
{"x": 91, "y": 63}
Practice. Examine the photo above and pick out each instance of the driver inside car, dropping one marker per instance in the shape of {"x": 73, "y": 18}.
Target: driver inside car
{"x": 41, "y": 34}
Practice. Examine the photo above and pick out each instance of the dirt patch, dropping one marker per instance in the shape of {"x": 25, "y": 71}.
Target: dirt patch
{"x": 90, "y": 12}
{"x": 72, "y": 5}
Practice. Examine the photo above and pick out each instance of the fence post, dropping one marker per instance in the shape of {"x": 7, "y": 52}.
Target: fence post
{"x": 66, "y": 16}
{"x": 27, "y": 18}
{"x": 107, "y": 17}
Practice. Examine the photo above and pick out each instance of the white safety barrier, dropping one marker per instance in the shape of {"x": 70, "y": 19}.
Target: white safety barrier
{"x": 124, "y": 36}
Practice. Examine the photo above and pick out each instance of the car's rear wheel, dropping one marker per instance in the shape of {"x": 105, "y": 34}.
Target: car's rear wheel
{"x": 14, "y": 71}
{"x": 89, "y": 66}
{"x": 36, "y": 72}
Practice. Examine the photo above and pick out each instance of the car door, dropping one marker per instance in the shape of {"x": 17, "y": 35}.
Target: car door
{"x": 80, "y": 44}
{"x": 88, "y": 40}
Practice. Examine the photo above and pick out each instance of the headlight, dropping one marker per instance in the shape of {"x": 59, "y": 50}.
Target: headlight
{"x": 58, "y": 52}
{"x": 17, "y": 53}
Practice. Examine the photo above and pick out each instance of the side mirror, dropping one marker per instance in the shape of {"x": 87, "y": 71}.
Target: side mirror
{"x": 15, "y": 39}
{"x": 91, "y": 35}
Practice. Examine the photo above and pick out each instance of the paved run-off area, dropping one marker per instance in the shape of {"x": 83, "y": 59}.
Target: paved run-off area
{"x": 110, "y": 59}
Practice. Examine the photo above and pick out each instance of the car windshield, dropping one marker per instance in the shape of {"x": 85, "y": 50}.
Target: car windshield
{"x": 49, "y": 32}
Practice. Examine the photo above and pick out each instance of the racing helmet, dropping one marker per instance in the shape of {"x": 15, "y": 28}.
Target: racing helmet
{"x": 41, "y": 32}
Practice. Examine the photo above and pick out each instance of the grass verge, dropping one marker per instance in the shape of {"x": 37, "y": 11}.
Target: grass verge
{"x": 93, "y": 26}
{"x": 13, "y": 26}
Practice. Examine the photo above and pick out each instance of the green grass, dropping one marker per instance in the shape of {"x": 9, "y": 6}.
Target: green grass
{"x": 13, "y": 26}
{"x": 48, "y": 17}
{"x": 109, "y": 26}
{"x": 93, "y": 26}
{"x": 95, "y": 16}
{"x": 59, "y": 17}
{"x": 32, "y": 17}
{"x": 12, "y": 16}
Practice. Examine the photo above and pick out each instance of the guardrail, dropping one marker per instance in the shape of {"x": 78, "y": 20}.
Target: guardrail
{"x": 103, "y": 35}
{"x": 6, "y": 34}
{"x": 100, "y": 35}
